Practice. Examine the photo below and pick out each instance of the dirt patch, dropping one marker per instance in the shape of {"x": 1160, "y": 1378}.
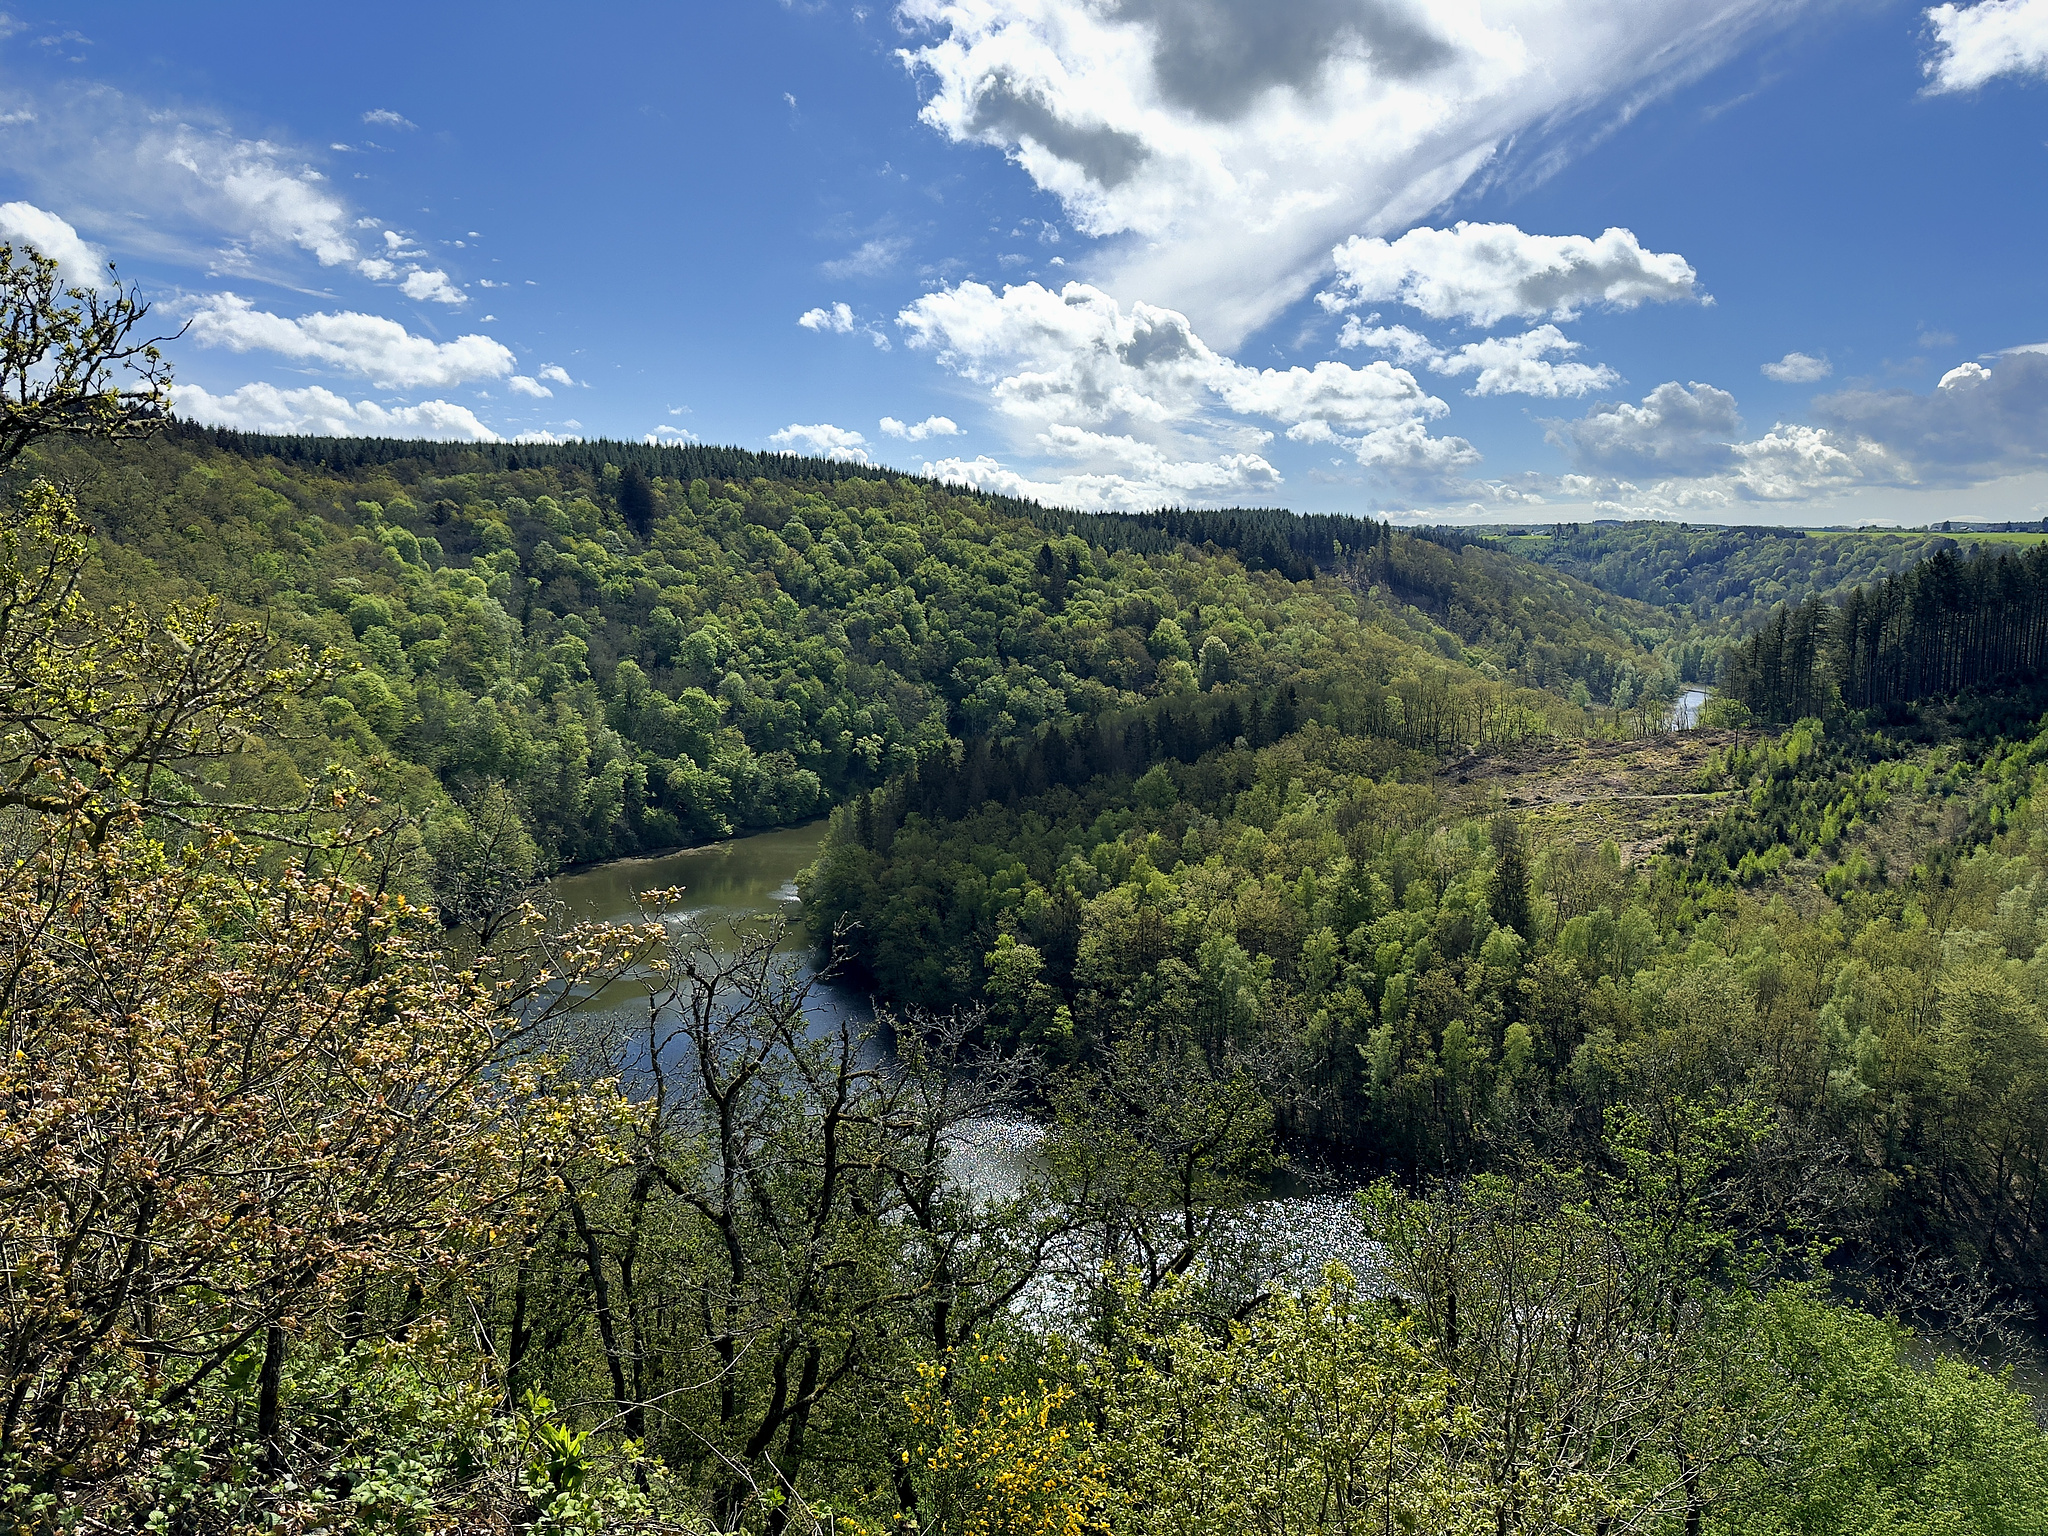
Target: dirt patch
{"x": 1640, "y": 793}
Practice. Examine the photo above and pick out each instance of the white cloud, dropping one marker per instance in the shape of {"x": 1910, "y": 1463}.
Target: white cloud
{"x": 380, "y": 350}
{"x": 1232, "y": 143}
{"x": 1681, "y": 451}
{"x": 321, "y": 412}
{"x": 672, "y": 435}
{"x": 258, "y": 187}
{"x": 520, "y": 384}
{"x": 838, "y": 319}
{"x": 823, "y": 441}
{"x": 1977, "y": 422}
{"x": 555, "y": 373}
{"x": 1798, "y": 368}
{"x": 1789, "y": 463}
{"x": 179, "y": 185}
{"x": 871, "y": 259}
{"x": 1505, "y": 365}
{"x": 1520, "y": 365}
{"x": 384, "y": 117}
{"x": 1077, "y": 356}
{"x": 421, "y": 285}
{"x": 931, "y": 426}
{"x": 1976, "y": 44}
{"x": 377, "y": 269}
{"x": 78, "y": 263}
{"x": 548, "y": 437}
{"x": 1058, "y": 364}
{"x": 1487, "y": 273}
{"x": 1678, "y": 428}
{"x": 1411, "y": 349}
{"x": 1139, "y": 477}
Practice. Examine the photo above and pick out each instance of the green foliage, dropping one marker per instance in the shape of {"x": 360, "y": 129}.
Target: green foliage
{"x": 1938, "y": 629}
{"x": 642, "y": 660}
{"x": 1725, "y": 578}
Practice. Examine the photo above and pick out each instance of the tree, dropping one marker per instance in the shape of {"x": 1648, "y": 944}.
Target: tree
{"x": 106, "y": 716}
{"x": 1507, "y": 896}
{"x": 636, "y": 500}
{"x": 1317, "y": 1413}
{"x": 1154, "y": 1149}
{"x": 74, "y": 361}
{"x": 783, "y": 1229}
{"x": 236, "y": 1101}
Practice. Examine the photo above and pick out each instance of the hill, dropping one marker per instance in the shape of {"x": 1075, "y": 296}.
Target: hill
{"x": 647, "y": 646}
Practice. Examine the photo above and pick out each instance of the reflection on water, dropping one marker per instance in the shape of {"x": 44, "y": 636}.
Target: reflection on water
{"x": 723, "y": 885}
{"x": 1685, "y": 710}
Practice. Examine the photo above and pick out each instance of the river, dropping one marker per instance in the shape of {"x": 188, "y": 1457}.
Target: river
{"x": 1309, "y": 1217}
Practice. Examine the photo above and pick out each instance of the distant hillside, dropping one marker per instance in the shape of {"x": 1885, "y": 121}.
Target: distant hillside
{"x": 643, "y": 646}
{"x": 1727, "y": 579}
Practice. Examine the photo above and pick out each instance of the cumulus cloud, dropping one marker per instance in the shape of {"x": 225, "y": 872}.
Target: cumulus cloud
{"x": 1411, "y": 349}
{"x": 1798, "y": 368}
{"x": 79, "y": 264}
{"x": 380, "y": 350}
{"x": 1078, "y": 375}
{"x": 1233, "y": 143}
{"x": 423, "y": 286}
{"x": 1682, "y": 448}
{"x": 822, "y": 440}
{"x": 1078, "y": 356}
{"x": 555, "y": 373}
{"x": 1976, "y": 44}
{"x": 1678, "y": 429}
{"x": 1521, "y": 365}
{"x": 1505, "y": 365}
{"x": 1486, "y": 273}
{"x": 1682, "y": 451}
{"x": 520, "y": 384}
{"x": 1138, "y": 476}
{"x": 840, "y": 320}
{"x": 1978, "y": 421}
{"x": 666, "y": 434}
{"x": 384, "y": 117}
{"x": 931, "y": 426}
{"x": 321, "y": 412}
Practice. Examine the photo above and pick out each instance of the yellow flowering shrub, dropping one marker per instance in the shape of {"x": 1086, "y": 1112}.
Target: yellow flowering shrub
{"x": 1019, "y": 1463}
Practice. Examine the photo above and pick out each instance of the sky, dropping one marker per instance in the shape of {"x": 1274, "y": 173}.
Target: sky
{"x": 1727, "y": 261}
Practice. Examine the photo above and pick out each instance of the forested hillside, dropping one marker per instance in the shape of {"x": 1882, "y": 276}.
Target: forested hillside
{"x": 1666, "y": 1079}
{"x": 1727, "y": 578}
{"x": 647, "y": 647}
{"x": 1976, "y": 627}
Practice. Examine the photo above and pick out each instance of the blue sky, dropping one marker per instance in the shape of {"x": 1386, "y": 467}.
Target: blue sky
{"x": 1724, "y": 260}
